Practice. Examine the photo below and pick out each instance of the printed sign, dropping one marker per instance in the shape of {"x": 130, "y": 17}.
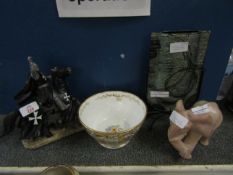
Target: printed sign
{"x": 103, "y": 8}
{"x": 29, "y": 109}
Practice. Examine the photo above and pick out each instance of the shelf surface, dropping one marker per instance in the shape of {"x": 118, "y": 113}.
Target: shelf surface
{"x": 149, "y": 147}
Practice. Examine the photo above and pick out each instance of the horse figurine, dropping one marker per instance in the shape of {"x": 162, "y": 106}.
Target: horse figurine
{"x": 202, "y": 120}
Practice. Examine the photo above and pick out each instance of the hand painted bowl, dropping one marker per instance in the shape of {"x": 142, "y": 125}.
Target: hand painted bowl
{"x": 113, "y": 117}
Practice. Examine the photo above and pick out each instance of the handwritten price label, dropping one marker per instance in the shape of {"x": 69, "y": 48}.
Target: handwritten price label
{"x": 201, "y": 109}
{"x": 29, "y": 109}
{"x": 179, "y": 119}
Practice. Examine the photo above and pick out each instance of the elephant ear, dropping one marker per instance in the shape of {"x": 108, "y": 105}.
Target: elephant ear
{"x": 180, "y": 106}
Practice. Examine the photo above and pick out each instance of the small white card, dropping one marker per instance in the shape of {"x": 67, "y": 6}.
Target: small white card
{"x": 201, "y": 109}
{"x": 29, "y": 109}
{"x": 179, "y": 47}
{"x": 179, "y": 119}
{"x": 159, "y": 94}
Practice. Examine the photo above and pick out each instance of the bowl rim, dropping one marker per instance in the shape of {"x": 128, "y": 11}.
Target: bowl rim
{"x": 118, "y": 132}
{"x": 69, "y": 168}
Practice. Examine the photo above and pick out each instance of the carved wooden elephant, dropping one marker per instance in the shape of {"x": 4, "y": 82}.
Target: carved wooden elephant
{"x": 200, "y": 126}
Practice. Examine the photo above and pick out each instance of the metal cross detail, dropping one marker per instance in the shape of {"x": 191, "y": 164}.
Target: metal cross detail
{"x": 35, "y": 118}
{"x": 67, "y": 97}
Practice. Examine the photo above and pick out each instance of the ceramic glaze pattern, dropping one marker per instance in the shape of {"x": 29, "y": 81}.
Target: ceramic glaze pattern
{"x": 112, "y": 118}
{"x": 114, "y": 129}
{"x": 114, "y": 140}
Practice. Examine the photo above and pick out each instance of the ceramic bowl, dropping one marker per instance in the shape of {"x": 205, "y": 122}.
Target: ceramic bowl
{"x": 112, "y": 117}
{"x": 60, "y": 170}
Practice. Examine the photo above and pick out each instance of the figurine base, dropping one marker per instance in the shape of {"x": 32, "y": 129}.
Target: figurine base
{"x": 57, "y": 135}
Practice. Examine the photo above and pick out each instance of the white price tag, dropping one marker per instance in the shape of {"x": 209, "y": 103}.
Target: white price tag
{"x": 29, "y": 109}
{"x": 201, "y": 109}
{"x": 159, "y": 94}
{"x": 179, "y": 119}
{"x": 179, "y": 47}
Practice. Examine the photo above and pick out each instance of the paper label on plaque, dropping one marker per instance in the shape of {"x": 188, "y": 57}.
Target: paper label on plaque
{"x": 179, "y": 47}
{"x": 159, "y": 94}
{"x": 201, "y": 109}
{"x": 29, "y": 109}
{"x": 178, "y": 119}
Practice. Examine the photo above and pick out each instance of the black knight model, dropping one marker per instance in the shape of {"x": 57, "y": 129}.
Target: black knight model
{"x": 45, "y": 105}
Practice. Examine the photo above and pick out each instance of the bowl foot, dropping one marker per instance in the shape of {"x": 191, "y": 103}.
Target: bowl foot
{"x": 114, "y": 146}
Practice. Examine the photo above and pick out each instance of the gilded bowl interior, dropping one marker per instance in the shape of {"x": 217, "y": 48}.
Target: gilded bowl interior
{"x": 112, "y": 111}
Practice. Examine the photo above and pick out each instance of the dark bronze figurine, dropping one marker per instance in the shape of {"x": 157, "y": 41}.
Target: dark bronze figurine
{"x": 45, "y": 104}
